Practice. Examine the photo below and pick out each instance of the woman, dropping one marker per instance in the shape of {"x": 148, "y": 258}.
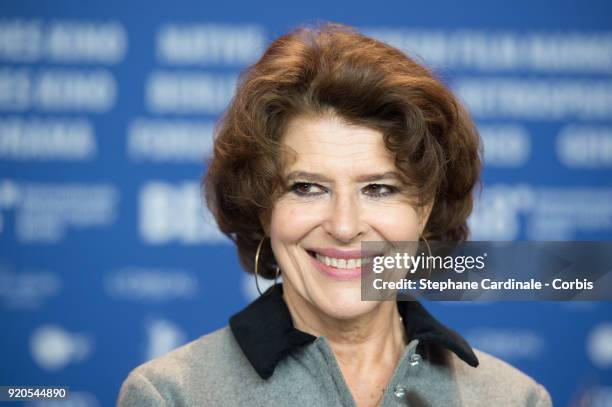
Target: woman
{"x": 333, "y": 139}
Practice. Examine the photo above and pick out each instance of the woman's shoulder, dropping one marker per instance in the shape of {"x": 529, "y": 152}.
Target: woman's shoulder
{"x": 186, "y": 373}
{"x": 496, "y": 380}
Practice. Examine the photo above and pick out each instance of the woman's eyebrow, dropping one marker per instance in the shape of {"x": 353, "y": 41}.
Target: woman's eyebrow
{"x": 315, "y": 177}
{"x": 307, "y": 176}
{"x": 379, "y": 177}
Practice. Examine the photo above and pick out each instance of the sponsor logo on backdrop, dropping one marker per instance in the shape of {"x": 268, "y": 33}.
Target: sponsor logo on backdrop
{"x": 531, "y": 99}
{"x": 495, "y": 50}
{"x": 505, "y": 145}
{"x": 144, "y": 284}
{"x": 599, "y": 345}
{"x": 507, "y": 344}
{"x": 38, "y": 138}
{"x": 585, "y": 146}
{"x": 23, "y": 40}
{"x": 175, "y": 213}
{"x": 162, "y": 337}
{"x": 189, "y": 92}
{"x": 53, "y": 347}
{"x": 45, "y": 212}
{"x": 209, "y": 44}
{"x": 496, "y": 213}
{"x": 57, "y": 90}
{"x": 169, "y": 141}
{"x": 27, "y": 289}
{"x": 9, "y": 196}
{"x": 542, "y": 213}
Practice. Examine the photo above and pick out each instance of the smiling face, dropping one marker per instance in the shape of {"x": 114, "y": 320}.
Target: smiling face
{"x": 342, "y": 188}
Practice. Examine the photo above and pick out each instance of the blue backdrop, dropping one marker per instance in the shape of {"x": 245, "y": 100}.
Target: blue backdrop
{"x": 107, "y": 257}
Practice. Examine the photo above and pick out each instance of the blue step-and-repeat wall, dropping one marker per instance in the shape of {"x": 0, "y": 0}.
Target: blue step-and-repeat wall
{"x": 107, "y": 256}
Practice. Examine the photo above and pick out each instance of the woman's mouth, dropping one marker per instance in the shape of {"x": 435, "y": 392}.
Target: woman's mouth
{"x": 342, "y": 266}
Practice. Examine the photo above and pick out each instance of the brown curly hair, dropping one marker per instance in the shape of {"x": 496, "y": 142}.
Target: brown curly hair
{"x": 332, "y": 67}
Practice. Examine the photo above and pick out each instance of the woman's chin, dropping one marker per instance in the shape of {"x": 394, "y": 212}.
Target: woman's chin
{"x": 343, "y": 303}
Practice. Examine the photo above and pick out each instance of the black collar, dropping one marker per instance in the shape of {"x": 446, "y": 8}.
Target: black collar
{"x": 264, "y": 331}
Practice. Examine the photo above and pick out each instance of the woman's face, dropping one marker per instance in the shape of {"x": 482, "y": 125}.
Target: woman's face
{"x": 342, "y": 188}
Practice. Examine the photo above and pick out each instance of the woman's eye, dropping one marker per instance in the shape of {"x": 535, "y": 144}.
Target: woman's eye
{"x": 307, "y": 189}
{"x": 379, "y": 190}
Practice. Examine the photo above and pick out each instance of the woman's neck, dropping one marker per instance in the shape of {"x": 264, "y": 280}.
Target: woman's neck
{"x": 358, "y": 343}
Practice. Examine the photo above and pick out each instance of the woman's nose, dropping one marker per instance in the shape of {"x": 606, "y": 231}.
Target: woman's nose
{"x": 344, "y": 219}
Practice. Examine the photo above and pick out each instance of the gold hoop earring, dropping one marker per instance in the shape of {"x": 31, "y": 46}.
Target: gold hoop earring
{"x": 257, "y": 267}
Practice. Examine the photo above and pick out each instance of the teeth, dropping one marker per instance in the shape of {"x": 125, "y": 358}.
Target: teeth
{"x": 342, "y": 263}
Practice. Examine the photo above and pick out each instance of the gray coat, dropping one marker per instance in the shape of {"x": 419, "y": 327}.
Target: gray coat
{"x": 262, "y": 360}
